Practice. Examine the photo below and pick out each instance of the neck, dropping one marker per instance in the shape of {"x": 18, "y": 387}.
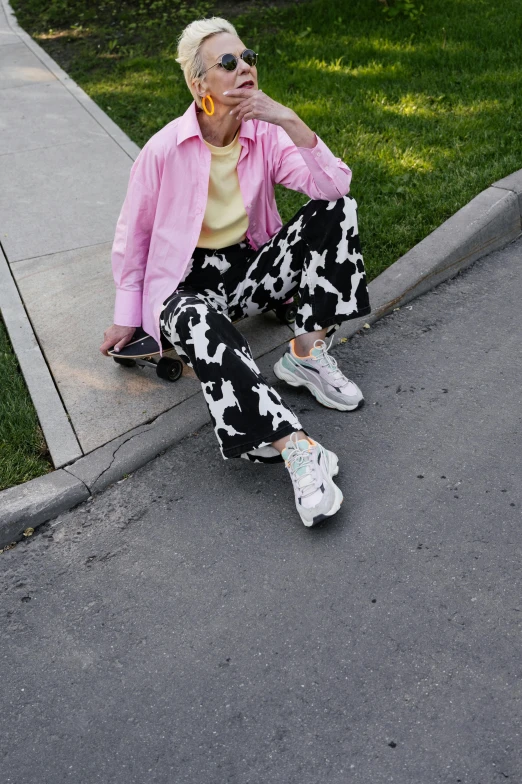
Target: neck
{"x": 219, "y": 129}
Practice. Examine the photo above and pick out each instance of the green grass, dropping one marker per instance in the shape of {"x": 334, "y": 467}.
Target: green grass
{"x": 23, "y": 453}
{"x": 426, "y": 112}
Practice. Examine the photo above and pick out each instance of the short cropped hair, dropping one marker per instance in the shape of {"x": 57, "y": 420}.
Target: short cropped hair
{"x": 189, "y": 47}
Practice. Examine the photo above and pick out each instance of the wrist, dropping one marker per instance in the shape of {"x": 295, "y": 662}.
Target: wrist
{"x": 288, "y": 119}
{"x": 299, "y": 132}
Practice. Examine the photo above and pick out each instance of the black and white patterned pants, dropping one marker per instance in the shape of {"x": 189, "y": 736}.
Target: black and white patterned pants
{"x": 316, "y": 255}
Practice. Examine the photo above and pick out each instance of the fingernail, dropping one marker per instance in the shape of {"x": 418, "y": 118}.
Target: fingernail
{"x": 232, "y": 112}
{"x": 116, "y": 349}
{"x": 226, "y": 92}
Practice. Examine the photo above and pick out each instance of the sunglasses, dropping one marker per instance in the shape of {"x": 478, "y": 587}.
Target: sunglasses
{"x": 229, "y": 61}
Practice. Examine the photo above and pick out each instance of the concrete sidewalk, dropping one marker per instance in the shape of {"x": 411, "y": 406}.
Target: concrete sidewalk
{"x": 65, "y": 170}
{"x": 63, "y": 177}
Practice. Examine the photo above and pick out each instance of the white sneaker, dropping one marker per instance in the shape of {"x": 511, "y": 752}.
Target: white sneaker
{"x": 320, "y": 374}
{"x": 311, "y": 469}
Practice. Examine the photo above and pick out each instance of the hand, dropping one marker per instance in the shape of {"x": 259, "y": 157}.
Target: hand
{"x": 116, "y": 336}
{"x": 256, "y": 105}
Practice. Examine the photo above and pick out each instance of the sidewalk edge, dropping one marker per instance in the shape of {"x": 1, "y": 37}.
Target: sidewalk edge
{"x": 33, "y": 503}
{"x": 57, "y": 429}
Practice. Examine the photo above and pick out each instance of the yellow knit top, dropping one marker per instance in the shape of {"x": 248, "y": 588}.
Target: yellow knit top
{"x": 225, "y": 221}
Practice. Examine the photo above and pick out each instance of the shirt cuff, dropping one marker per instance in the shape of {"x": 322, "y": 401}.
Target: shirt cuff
{"x": 319, "y": 152}
{"x": 127, "y": 308}
{"x": 326, "y": 169}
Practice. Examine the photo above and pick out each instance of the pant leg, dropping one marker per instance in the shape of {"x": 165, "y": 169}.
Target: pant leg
{"x": 317, "y": 256}
{"x": 245, "y": 411}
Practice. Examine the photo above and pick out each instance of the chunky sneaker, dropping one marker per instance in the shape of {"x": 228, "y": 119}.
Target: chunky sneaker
{"x": 311, "y": 468}
{"x": 319, "y": 372}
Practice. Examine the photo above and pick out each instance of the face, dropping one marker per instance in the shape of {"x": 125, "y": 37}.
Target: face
{"x": 217, "y": 80}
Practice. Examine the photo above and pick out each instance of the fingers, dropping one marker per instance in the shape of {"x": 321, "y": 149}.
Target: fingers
{"x": 239, "y": 93}
{"x": 105, "y": 346}
{"x": 116, "y": 337}
{"x": 121, "y": 343}
{"x": 243, "y": 108}
{"x": 258, "y": 106}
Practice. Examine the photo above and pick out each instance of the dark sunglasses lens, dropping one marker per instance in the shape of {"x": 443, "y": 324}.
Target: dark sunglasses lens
{"x": 229, "y": 62}
{"x": 249, "y": 56}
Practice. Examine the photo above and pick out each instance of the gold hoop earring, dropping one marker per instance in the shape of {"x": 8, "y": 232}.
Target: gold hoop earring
{"x": 204, "y": 105}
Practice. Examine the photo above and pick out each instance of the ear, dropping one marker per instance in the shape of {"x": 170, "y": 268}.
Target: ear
{"x": 198, "y": 86}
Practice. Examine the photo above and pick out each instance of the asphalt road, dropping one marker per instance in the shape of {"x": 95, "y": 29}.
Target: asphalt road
{"x": 184, "y": 626}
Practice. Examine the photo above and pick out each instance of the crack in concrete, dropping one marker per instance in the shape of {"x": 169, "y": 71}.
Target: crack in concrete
{"x": 134, "y": 435}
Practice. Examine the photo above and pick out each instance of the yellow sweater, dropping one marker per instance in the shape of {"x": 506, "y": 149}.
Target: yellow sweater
{"x": 225, "y": 221}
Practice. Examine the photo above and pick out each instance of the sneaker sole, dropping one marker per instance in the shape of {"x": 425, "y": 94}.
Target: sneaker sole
{"x": 338, "y": 499}
{"x": 283, "y": 374}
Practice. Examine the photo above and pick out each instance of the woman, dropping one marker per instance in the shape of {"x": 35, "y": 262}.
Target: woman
{"x": 199, "y": 243}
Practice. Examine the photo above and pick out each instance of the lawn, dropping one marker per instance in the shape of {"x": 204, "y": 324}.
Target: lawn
{"x": 425, "y": 110}
{"x": 23, "y": 453}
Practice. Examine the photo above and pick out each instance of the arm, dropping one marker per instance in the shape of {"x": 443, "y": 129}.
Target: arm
{"x": 314, "y": 171}
{"x": 130, "y": 251}
{"x": 301, "y": 160}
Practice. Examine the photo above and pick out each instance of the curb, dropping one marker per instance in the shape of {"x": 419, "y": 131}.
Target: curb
{"x": 57, "y": 429}
{"x": 487, "y": 223}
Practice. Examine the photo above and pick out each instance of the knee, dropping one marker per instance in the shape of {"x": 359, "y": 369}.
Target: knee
{"x": 329, "y": 220}
{"x": 346, "y": 203}
{"x": 179, "y": 317}
{"x": 335, "y": 209}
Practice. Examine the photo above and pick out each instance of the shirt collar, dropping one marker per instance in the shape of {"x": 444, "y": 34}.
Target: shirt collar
{"x": 189, "y": 126}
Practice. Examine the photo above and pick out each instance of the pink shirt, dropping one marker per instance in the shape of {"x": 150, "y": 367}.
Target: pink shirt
{"x": 161, "y": 217}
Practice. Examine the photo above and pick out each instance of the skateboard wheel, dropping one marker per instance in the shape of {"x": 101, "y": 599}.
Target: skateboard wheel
{"x": 169, "y": 369}
{"x": 124, "y": 361}
{"x": 286, "y": 313}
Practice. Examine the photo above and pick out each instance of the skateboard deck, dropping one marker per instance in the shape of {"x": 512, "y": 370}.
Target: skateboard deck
{"x": 144, "y": 351}
{"x": 142, "y": 345}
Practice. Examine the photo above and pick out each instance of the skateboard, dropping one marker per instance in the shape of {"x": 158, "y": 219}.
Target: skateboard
{"x": 143, "y": 349}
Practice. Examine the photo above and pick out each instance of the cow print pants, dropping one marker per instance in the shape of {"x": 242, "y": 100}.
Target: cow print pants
{"x": 316, "y": 255}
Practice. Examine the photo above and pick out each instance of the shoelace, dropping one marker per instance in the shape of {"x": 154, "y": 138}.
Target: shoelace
{"x": 299, "y": 459}
{"x": 329, "y": 363}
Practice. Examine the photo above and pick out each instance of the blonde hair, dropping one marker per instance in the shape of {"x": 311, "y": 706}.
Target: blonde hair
{"x": 189, "y": 47}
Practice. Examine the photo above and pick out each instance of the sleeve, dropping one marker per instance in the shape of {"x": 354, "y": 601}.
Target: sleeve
{"x": 133, "y": 232}
{"x": 314, "y": 171}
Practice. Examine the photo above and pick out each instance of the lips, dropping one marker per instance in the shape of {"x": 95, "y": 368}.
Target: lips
{"x": 249, "y": 83}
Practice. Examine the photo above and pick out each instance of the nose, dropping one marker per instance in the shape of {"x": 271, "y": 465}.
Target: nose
{"x": 242, "y": 67}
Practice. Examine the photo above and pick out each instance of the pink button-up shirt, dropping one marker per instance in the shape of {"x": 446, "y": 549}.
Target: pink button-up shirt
{"x": 160, "y": 220}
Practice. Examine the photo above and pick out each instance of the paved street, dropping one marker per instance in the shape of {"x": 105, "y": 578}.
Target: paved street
{"x": 184, "y": 627}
